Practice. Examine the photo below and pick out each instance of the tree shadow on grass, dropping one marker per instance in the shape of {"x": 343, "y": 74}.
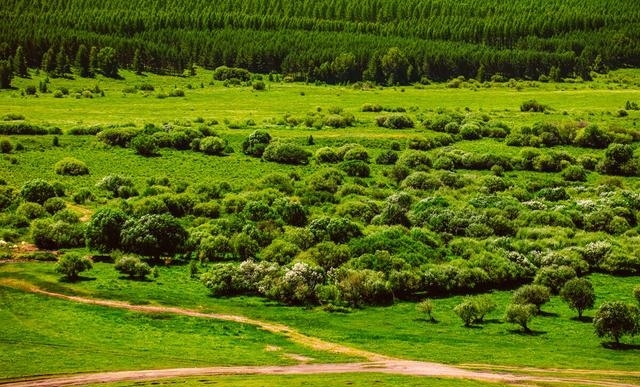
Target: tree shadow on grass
{"x": 542, "y": 313}
{"x": 583, "y": 319}
{"x": 621, "y": 346}
{"x": 79, "y": 279}
{"x": 427, "y": 320}
{"x": 490, "y": 321}
{"x": 530, "y": 332}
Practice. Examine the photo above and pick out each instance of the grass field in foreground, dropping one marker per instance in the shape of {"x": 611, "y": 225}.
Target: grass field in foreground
{"x": 353, "y": 380}
{"x": 43, "y": 335}
{"x": 399, "y": 330}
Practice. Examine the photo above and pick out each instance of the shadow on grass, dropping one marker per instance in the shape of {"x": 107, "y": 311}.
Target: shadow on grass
{"x": 542, "y": 313}
{"x": 530, "y": 332}
{"x": 584, "y": 319}
{"x": 426, "y": 320}
{"x": 621, "y": 346}
{"x": 79, "y": 279}
{"x": 490, "y": 321}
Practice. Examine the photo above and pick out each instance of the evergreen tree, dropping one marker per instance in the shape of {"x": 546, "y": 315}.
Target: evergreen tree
{"x": 62, "y": 63}
{"x": 108, "y": 62}
{"x": 138, "y": 67}
{"x": 20, "y": 63}
{"x": 49, "y": 62}
{"x": 82, "y": 61}
{"x": 6, "y": 74}
{"x": 93, "y": 61}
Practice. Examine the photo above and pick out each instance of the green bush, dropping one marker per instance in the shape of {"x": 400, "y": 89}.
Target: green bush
{"x": 5, "y": 146}
{"x": 70, "y": 166}
{"x": 395, "y": 121}
{"x": 256, "y": 143}
{"x": 31, "y": 210}
{"x": 422, "y": 181}
{"x": 212, "y": 145}
{"x": 54, "y": 205}
{"x": 327, "y": 155}
{"x": 133, "y": 267}
{"x": 224, "y": 73}
{"x": 71, "y": 265}
{"x": 118, "y": 136}
{"x": 286, "y": 153}
{"x": 144, "y": 145}
{"x": 533, "y": 106}
{"x": 37, "y": 191}
{"x": 356, "y": 168}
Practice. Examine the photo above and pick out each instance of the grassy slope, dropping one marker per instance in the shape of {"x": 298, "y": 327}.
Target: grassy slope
{"x": 42, "y": 336}
{"x": 558, "y": 341}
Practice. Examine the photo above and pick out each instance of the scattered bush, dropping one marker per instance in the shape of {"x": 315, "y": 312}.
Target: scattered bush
{"x": 256, "y": 143}
{"x": 212, "y": 145}
{"x": 286, "y": 153}
{"x": 520, "y": 314}
{"x": 71, "y": 265}
{"x": 533, "y": 106}
{"x": 133, "y": 267}
{"x": 578, "y": 293}
{"x": 37, "y": 191}
{"x": 70, "y": 166}
{"x": 395, "y": 121}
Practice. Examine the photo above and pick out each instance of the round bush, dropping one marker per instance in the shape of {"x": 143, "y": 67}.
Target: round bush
{"x": 327, "y": 155}
{"x": 70, "y": 166}
{"x": 54, "y": 205}
{"x": 357, "y": 168}
{"x": 145, "y": 145}
{"x": 286, "y": 153}
{"x": 37, "y": 191}
{"x": 395, "y": 121}
{"x": 212, "y": 145}
{"x": 421, "y": 180}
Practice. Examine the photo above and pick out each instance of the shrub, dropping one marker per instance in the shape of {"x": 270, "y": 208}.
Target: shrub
{"x": 104, "y": 229}
{"x": 53, "y": 205}
{"x": 593, "y": 137}
{"x": 370, "y": 107}
{"x": 133, "y": 267}
{"x": 70, "y": 166}
{"x": 144, "y": 145}
{"x": 427, "y": 306}
{"x": 256, "y": 143}
{"x": 327, "y": 155}
{"x": 554, "y": 278}
{"x": 356, "y": 153}
{"x": 422, "y": 181}
{"x": 50, "y": 234}
{"x": 286, "y": 153}
{"x": 119, "y": 186}
{"x": 224, "y": 73}
{"x": 176, "y": 93}
{"x": 520, "y": 314}
{"x": 37, "y": 191}
{"x": 259, "y": 86}
{"x": 467, "y": 311}
{"x": 395, "y": 121}
{"x": 153, "y": 235}
{"x": 338, "y": 120}
{"x": 212, "y": 145}
{"x": 355, "y": 168}
{"x": 533, "y": 106}
{"x": 5, "y": 146}
{"x": 118, "y": 136}
{"x": 470, "y": 131}
{"x": 387, "y": 158}
{"x": 574, "y": 173}
{"x": 31, "y": 210}
{"x": 71, "y": 265}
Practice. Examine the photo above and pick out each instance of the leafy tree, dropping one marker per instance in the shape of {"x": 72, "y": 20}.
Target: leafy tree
{"x": 212, "y": 145}
{"x": 532, "y": 294}
{"x": 579, "y": 294}
{"x": 6, "y": 74}
{"x": 483, "y": 305}
{"x": 427, "y": 306}
{"x": 133, "y": 267}
{"x": 104, "y": 229}
{"x": 82, "y": 61}
{"x": 20, "y": 63}
{"x": 71, "y": 265}
{"x": 108, "y": 62}
{"x": 37, "y": 191}
{"x": 153, "y": 235}
{"x": 615, "y": 319}
{"x": 520, "y": 314}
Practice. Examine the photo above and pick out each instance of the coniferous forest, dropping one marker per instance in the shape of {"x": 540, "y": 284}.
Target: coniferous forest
{"x": 386, "y": 41}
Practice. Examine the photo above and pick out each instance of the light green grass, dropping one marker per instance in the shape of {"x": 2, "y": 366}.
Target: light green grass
{"x": 399, "y": 330}
{"x": 43, "y": 335}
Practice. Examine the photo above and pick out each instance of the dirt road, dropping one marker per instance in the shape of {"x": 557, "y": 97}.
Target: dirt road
{"x": 375, "y": 362}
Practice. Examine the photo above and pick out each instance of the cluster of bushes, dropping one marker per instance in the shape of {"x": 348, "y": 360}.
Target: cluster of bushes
{"x": 25, "y": 128}
{"x": 224, "y": 73}
{"x": 466, "y": 127}
{"x": 549, "y": 135}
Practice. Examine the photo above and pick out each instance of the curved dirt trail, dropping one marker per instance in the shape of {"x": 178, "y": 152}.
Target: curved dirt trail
{"x": 376, "y": 363}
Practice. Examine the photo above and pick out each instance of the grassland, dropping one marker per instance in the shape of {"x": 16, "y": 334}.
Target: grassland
{"x": 41, "y": 332}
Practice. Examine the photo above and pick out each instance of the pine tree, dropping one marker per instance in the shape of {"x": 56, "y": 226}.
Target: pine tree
{"x": 82, "y": 61}
{"x": 6, "y": 74}
{"x": 20, "y": 63}
{"x": 138, "y": 67}
{"x": 93, "y": 61}
{"x": 62, "y": 63}
{"x": 49, "y": 62}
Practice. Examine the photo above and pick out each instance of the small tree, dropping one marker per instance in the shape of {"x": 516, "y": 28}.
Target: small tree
{"x": 615, "y": 319}
{"x": 484, "y": 305}
{"x": 467, "y": 311}
{"x": 521, "y": 314}
{"x": 579, "y": 294}
{"x": 532, "y": 294}
{"x": 133, "y": 267}
{"x": 82, "y": 61}
{"x": 108, "y": 62}
{"x": 104, "y": 228}
{"x": 427, "y": 306}
{"x": 71, "y": 265}
{"x": 255, "y": 144}
{"x": 20, "y": 63}
{"x": 636, "y": 293}
{"x": 154, "y": 235}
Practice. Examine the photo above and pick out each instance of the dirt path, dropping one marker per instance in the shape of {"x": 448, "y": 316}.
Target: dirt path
{"x": 375, "y": 362}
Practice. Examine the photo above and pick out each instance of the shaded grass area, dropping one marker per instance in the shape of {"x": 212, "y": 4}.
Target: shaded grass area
{"x": 558, "y": 341}
{"x": 310, "y": 381}
{"x": 43, "y": 335}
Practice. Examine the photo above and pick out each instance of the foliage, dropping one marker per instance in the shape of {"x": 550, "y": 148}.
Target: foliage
{"x": 520, "y": 314}
{"x": 104, "y": 229}
{"x": 133, "y": 267}
{"x": 153, "y": 236}
{"x": 37, "y": 191}
{"x": 578, "y": 293}
{"x": 70, "y": 265}
{"x": 256, "y": 143}
{"x": 212, "y": 145}
{"x": 144, "y": 145}
{"x": 286, "y": 153}
{"x": 71, "y": 167}
{"x": 532, "y": 294}
{"x": 615, "y": 319}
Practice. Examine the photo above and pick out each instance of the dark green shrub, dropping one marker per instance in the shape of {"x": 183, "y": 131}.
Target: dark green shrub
{"x": 52, "y": 235}
{"x": 31, "y": 210}
{"x": 118, "y": 136}
{"x": 117, "y": 185}
{"x": 593, "y": 137}
{"x": 395, "y": 121}
{"x": 5, "y": 146}
{"x": 574, "y": 173}
{"x": 532, "y": 294}
{"x": 71, "y": 265}
{"x": 554, "y": 278}
{"x": 133, "y": 267}
{"x": 37, "y": 191}
{"x": 256, "y": 143}
{"x": 144, "y": 145}
{"x": 104, "y": 229}
{"x": 327, "y": 155}
{"x": 387, "y": 158}
{"x": 224, "y": 73}
{"x": 533, "y": 106}
{"x": 70, "y": 166}
{"x": 355, "y": 168}
{"x": 422, "y": 181}
{"x": 53, "y": 205}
